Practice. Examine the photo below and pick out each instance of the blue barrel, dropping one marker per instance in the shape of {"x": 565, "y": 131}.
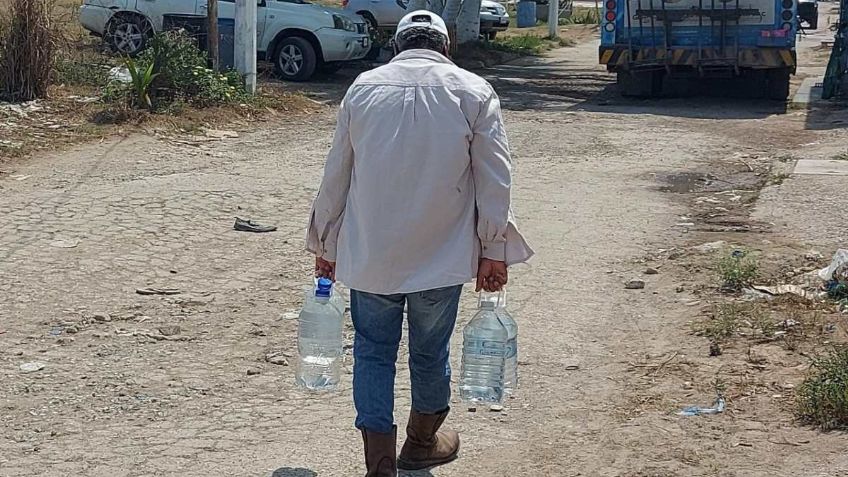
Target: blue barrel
{"x": 226, "y": 43}
{"x": 526, "y": 14}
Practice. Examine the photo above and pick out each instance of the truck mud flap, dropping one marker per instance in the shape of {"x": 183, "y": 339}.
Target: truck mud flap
{"x": 645, "y": 57}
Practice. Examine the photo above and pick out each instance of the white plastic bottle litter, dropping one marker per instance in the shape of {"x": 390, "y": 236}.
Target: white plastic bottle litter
{"x": 484, "y": 351}
{"x": 511, "y": 364}
{"x": 319, "y": 340}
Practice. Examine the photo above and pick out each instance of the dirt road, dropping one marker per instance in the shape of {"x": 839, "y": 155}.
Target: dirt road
{"x": 137, "y": 385}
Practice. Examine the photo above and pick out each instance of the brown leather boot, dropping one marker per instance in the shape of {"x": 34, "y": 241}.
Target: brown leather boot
{"x": 380, "y": 453}
{"x": 425, "y": 445}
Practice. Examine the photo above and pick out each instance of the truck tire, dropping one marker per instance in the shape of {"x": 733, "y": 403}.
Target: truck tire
{"x": 777, "y": 84}
{"x": 641, "y": 84}
{"x": 295, "y": 59}
{"x": 813, "y": 20}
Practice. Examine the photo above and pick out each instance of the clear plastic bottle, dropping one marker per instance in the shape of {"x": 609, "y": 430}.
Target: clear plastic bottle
{"x": 319, "y": 340}
{"x": 484, "y": 351}
{"x": 511, "y": 365}
{"x": 337, "y": 297}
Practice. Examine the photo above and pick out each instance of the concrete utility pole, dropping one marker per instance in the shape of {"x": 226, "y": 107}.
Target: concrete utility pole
{"x": 553, "y": 19}
{"x": 468, "y": 22}
{"x": 212, "y": 33}
{"x": 245, "y": 42}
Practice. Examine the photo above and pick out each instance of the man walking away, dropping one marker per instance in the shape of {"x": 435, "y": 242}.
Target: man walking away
{"x": 414, "y": 203}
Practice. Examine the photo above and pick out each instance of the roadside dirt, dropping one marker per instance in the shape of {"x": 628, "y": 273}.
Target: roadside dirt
{"x": 179, "y": 385}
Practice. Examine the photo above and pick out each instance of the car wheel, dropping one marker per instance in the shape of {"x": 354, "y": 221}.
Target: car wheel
{"x": 491, "y": 35}
{"x": 296, "y": 59}
{"x": 128, "y": 35}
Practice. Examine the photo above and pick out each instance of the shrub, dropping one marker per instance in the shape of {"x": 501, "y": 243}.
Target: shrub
{"x": 27, "y": 48}
{"x": 80, "y": 71}
{"x": 181, "y": 75}
{"x": 822, "y": 398}
{"x": 580, "y": 16}
{"x": 175, "y": 57}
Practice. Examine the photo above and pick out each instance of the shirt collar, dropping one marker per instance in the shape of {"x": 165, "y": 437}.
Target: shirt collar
{"x": 422, "y": 55}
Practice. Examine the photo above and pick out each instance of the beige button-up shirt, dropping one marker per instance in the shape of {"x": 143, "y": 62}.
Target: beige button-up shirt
{"x": 417, "y": 183}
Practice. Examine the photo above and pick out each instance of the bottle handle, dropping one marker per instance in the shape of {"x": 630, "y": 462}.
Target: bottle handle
{"x": 500, "y": 300}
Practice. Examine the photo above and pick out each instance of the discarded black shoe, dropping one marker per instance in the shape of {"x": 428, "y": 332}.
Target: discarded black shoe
{"x": 250, "y": 226}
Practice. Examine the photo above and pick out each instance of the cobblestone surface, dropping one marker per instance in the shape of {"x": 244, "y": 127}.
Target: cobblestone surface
{"x": 81, "y": 231}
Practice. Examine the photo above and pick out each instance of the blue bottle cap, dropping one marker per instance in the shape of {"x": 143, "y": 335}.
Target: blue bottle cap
{"x": 325, "y": 285}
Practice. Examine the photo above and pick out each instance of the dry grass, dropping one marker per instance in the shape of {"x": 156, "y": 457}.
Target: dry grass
{"x": 28, "y": 41}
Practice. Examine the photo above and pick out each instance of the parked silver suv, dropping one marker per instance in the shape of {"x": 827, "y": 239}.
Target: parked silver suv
{"x": 385, "y": 14}
{"x": 298, "y": 37}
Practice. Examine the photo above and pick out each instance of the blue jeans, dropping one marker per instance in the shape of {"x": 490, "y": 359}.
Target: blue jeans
{"x": 378, "y": 321}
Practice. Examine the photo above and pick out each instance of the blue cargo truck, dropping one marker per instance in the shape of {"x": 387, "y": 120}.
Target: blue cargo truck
{"x": 646, "y": 42}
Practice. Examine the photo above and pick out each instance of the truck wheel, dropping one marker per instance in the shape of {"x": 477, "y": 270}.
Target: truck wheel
{"x": 296, "y": 59}
{"x": 777, "y": 84}
{"x": 813, "y": 20}
{"x": 641, "y": 84}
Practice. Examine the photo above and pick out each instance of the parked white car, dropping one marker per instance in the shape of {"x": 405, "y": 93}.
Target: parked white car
{"x": 386, "y": 14}
{"x": 298, "y": 37}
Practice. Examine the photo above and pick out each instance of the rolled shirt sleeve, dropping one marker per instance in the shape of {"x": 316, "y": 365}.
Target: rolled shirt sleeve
{"x": 492, "y": 171}
{"x": 329, "y": 206}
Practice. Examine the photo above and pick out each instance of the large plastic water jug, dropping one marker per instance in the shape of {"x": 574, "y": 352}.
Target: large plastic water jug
{"x": 511, "y": 365}
{"x": 319, "y": 339}
{"x": 484, "y": 350}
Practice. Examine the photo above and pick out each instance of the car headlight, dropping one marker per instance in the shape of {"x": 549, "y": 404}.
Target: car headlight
{"x": 501, "y": 10}
{"x": 343, "y": 23}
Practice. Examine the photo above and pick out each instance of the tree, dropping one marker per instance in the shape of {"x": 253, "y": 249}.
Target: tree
{"x": 212, "y": 33}
{"x": 451, "y": 12}
{"x": 415, "y": 5}
{"x": 468, "y": 22}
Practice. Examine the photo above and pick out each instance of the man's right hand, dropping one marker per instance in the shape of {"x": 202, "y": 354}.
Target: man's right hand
{"x": 325, "y": 269}
{"x": 491, "y": 275}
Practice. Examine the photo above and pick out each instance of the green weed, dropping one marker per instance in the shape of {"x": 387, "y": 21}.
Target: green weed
{"x": 142, "y": 78}
{"x": 521, "y": 45}
{"x": 725, "y": 322}
{"x": 822, "y": 399}
{"x": 737, "y": 270}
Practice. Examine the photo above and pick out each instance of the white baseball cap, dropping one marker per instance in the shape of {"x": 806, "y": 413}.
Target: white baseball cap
{"x": 422, "y": 19}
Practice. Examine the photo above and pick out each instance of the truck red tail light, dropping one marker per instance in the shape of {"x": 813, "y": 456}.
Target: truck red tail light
{"x": 786, "y": 15}
{"x": 610, "y": 16}
{"x": 787, "y": 4}
{"x": 611, "y": 5}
